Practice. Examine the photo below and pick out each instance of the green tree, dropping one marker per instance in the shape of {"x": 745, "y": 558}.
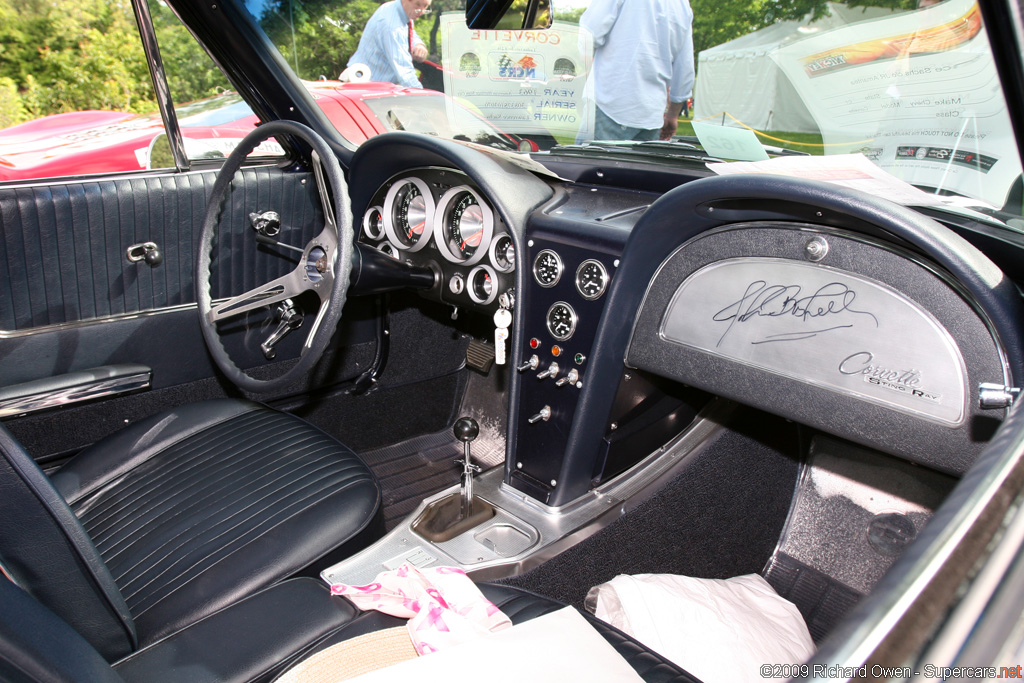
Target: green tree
{"x": 12, "y": 109}
{"x": 316, "y": 37}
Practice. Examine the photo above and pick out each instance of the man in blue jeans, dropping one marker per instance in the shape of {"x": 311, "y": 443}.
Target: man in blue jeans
{"x": 643, "y": 66}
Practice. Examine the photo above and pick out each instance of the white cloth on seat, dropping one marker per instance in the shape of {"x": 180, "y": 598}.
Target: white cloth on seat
{"x": 720, "y": 630}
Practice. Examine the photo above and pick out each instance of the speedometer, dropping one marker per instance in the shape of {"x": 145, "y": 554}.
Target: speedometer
{"x": 409, "y": 214}
{"x": 466, "y": 225}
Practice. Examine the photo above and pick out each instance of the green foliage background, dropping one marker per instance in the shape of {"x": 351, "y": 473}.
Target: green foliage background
{"x": 85, "y": 54}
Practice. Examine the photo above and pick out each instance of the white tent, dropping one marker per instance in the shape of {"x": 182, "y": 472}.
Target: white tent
{"x": 732, "y": 78}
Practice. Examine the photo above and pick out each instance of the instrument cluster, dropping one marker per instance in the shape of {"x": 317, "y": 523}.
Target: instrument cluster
{"x": 438, "y": 218}
{"x": 591, "y": 281}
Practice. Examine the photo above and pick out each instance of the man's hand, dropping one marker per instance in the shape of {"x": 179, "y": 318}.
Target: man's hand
{"x": 668, "y": 128}
{"x": 419, "y": 52}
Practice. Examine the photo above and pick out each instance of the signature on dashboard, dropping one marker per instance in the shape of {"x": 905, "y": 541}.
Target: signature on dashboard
{"x": 789, "y": 303}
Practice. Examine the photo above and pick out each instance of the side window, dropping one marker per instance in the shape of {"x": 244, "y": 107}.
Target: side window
{"x": 212, "y": 117}
{"x": 77, "y": 97}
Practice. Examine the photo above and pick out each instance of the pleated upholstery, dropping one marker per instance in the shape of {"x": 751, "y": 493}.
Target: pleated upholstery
{"x": 223, "y": 512}
{"x": 63, "y": 245}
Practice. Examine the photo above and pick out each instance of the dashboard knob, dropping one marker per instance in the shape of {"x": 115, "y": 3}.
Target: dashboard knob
{"x": 550, "y": 372}
{"x": 530, "y": 364}
{"x": 544, "y": 414}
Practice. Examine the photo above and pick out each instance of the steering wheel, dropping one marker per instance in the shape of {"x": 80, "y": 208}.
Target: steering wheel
{"x": 324, "y": 268}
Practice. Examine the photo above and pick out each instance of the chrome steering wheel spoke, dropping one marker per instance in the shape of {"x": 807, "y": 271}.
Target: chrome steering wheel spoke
{"x": 284, "y": 287}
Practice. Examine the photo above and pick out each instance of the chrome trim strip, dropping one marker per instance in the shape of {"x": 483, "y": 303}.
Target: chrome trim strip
{"x": 82, "y": 392}
{"x": 160, "y": 85}
{"x": 78, "y": 324}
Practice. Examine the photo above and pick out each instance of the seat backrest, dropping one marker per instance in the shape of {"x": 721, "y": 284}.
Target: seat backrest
{"x": 47, "y": 553}
{"x": 37, "y": 647}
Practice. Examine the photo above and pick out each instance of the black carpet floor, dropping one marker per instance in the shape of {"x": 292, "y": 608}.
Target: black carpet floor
{"x": 411, "y": 470}
{"x": 722, "y": 516}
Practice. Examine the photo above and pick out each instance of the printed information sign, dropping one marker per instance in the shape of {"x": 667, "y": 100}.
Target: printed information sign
{"x": 526, "y": 82}
{"x": 871, "y": 87}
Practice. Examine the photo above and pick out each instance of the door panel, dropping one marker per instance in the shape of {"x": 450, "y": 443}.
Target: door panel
{"x": 64, "y": 245}
{"x": 72, "y": 301}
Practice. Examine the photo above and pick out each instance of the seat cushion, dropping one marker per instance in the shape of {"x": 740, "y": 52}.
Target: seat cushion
{"x": 195, "y": 508}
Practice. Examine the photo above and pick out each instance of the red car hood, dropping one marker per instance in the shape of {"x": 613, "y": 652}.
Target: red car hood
{"x": 115, "y": 142}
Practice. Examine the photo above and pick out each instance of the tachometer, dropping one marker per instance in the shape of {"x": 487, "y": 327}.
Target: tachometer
{"x": 466, "y": 225}
{"x": 409, "y": 214}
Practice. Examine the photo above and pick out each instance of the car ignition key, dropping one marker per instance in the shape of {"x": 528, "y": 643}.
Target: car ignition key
{"x": 502, "y": 319}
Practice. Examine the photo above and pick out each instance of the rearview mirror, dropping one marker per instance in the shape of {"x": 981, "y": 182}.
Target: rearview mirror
{"x": 508, "y": 14}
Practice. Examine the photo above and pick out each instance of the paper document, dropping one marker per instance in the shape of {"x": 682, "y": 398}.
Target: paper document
{"x": 729, "y": 143}
{"x": 560, "y": 646}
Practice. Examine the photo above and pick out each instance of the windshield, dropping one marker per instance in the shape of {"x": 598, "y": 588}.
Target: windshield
{"x": 883, "y": 92}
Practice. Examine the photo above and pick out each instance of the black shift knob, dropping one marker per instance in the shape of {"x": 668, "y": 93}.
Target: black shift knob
{"x": 466, "y": 429}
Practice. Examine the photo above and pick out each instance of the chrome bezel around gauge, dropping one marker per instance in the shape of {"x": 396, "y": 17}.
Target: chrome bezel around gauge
{"x": 492, "y": 253}
{"x": 604, "y": 279}
{"x": 442, "y": 216}
{"x": 374, "y": 229}
{"x": 388, "y": 248}
{"x": 572, "y": 321}
{"x": 471, "y": 284}
{"x": 428, "y": 210}
{"x": 558, "y": 267}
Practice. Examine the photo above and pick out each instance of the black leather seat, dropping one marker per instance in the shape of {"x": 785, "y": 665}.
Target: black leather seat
{"x": 178, "y": 516}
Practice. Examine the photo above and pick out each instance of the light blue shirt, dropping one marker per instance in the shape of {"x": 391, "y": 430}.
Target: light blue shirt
{"x": 384, "y": 46}
{"x": 642, "y": 49}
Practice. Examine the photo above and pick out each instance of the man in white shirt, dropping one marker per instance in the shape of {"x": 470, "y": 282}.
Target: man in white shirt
{"x": 643, "y": 66}
{"x": 389, "y": 45}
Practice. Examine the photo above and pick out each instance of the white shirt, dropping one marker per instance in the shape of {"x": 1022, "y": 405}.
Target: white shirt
{"x": 641, "y": 49}
{"x": 384, "y": 46}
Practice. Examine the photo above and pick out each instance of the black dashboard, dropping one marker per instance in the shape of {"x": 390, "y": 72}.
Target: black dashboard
{"x": 605, "y": 286}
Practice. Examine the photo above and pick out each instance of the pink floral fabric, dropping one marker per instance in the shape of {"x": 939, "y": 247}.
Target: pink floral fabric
{"x": 444, "y": 607}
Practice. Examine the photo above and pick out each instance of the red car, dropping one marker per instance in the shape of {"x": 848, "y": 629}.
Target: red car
{"x": 88, "y": 142}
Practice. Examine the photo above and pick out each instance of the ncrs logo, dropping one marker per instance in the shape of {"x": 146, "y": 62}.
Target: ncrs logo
{"x": 523, "y": 68}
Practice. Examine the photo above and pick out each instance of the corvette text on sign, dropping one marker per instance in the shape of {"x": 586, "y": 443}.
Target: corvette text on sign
{"x": 528, "y": 82}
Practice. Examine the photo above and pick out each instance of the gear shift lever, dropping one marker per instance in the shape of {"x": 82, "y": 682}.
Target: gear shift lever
{"x": 458, "y": 512}
{"x": 466, "y": 430}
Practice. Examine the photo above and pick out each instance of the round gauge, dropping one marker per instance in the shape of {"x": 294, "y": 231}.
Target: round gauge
{"x": 547, "y": 268}
{"x": 482, "y": 284}
{"x": 408, "y": 214}
{"x": 373, "y": 223}
{"x": 561, "y": 320}
{"x": 388, "y": 249}
{"x": 503, "y": 254}
{"x": 465, "y": 224}
{"x": 591, "y": 279}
